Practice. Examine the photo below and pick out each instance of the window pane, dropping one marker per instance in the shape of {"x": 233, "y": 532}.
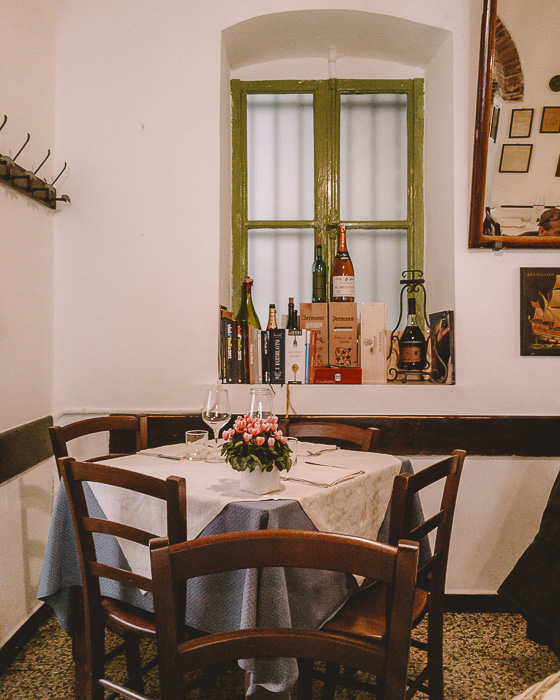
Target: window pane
{"x": 280, "y": 263}
{"x": 280, "y": 157}
{"x": 379, "y": 259}
{"x": 373, "y": 157}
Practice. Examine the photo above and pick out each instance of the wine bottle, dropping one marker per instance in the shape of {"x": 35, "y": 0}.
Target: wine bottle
{"x": 319, "y": 273}
{"x": 342, "y": 279}
{"x": 292, "y": 316}
{"x": 247, "y": 310}
{"x": 271, "y": 317}
{"x": 413, "y": 346}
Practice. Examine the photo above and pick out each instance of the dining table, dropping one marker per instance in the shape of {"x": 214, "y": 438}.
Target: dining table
{"x": 342, "y": 491}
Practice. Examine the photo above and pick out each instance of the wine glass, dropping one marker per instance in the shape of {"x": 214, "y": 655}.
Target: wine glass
{"x": 216, "y": 413}
{"x": 261, "y": 403}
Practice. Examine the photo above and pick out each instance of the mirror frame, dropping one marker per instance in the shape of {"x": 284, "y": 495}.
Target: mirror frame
{"x": 480, "y": 152}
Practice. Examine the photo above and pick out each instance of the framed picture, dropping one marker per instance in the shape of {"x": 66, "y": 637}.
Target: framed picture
{"x": 521, "y": 123}
{"x": 550, "y": 122}
{"x": 540, "y": 311}
{"x": 515, "y": 157}
{"x": 494, "y": 123}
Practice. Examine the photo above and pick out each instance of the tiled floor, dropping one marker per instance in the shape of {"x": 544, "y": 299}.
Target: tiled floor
{"x": 487, "y": 657}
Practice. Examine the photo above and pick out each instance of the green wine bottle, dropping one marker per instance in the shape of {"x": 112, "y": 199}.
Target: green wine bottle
{"x": 247, "y": 310}
{"x": 319, "y": 272}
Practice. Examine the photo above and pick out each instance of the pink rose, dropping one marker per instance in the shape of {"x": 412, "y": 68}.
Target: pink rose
{"x": 271, "y": 441}
{"x": 260, "y": 440}
{"x": 283, "y": 440}
{"x": 247, "y": 436}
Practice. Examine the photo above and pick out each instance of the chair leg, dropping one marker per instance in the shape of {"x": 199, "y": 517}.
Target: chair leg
{"x": 435, "y": 656}
{"x": 331, "y": 681}
{"x": 134, "y": 665}
{"x": 305, "y": 679}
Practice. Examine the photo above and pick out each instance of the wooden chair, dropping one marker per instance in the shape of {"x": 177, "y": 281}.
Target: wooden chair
{"x": 365, "y": 439}
{"x": 61, "y": 435}
{"x": 387, "y": 658}
{"x": 98, "y": 612}
{"x": 363, "y": 617}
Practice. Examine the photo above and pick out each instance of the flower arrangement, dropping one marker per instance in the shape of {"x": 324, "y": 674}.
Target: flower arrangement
{"x": 256, "y": 443}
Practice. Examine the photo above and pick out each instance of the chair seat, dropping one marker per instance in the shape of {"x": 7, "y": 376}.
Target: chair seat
{"x": 364, "y": 614}
{"x": 126, "y": 618}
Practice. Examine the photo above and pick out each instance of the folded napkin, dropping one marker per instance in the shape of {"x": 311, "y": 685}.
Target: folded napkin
{"x": 320, "y": 475}
{"x": 177, "y": 451}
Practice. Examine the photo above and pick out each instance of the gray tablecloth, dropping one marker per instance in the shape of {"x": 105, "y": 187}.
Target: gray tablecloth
{"x": 220, "y": 602}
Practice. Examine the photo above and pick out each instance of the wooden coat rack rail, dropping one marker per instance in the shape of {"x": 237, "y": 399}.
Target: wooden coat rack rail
{"x": 27, "y": 182}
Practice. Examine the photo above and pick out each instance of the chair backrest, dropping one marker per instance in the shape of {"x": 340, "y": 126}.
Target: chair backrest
{"x": 61, "y": 435}
{"x": 365, "y": 439}
{"x": 396, "y": 566}
{"x": 432, "y": 574}
{"x": 172, "y": 491}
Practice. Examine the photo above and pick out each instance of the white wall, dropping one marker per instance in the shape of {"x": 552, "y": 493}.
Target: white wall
{"x": 27, "y": 87}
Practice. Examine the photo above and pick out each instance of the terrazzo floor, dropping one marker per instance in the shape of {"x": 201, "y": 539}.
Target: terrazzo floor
{"x": 487, "y": 657}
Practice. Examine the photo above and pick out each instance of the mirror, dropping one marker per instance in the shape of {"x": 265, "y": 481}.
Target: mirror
{"x": 515, "y": 191}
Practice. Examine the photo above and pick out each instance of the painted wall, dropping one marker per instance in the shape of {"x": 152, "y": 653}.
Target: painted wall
{"x": 27, "y": 86}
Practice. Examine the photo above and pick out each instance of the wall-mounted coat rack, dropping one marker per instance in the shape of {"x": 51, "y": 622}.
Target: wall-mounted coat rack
{"x": 26, "y": 182}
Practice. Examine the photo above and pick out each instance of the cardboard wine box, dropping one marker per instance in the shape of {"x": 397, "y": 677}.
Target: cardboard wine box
{"x": 373, "y": 346}
{"x": 343, "y": 334}
{"x": 315, "y": 317}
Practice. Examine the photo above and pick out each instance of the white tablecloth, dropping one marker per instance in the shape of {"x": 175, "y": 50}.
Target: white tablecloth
{"x": 354, "y": 507}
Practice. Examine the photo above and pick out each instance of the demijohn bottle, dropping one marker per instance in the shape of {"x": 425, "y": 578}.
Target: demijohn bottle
{"x": 319, "y": 272}
{"x": 342, "y": 279}
{"x": 247, "y": 310}
{"x": 412, "y": 344}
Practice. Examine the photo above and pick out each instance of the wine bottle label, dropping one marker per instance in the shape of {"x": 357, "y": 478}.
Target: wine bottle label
{"x": 343, "y": 286}
{"x": 319, "y": 284}
{"x": 411, "y": 353}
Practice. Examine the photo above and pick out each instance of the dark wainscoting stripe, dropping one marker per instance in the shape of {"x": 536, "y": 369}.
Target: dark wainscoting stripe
{"x": 23, "y": 447}
{"x": 523, "y": 436}
{"x": 27, "y": 631}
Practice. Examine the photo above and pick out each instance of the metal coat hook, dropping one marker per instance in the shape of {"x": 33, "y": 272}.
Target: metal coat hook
{"x": 59, "y": 174}
{"x": 43, "y": 163}
{"x": 21, "y": 149}
{"x": 64, "y": 198}
{"x": 4, "y": 122}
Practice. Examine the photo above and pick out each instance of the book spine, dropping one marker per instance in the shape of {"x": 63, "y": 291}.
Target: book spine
{"x": 307, "y": 359}
{"x": 258, "y": 367}
{"x": 265, "y": 342}
{"x": 312, "y": 349}
{"x": 230, "y": 351}
{"x": 251, "y": 353}
{"x": 277, "y": 352}
{"x": 239, "y": 361}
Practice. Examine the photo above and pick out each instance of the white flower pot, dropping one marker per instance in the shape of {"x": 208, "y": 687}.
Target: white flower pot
{"x": 260, "y": 482}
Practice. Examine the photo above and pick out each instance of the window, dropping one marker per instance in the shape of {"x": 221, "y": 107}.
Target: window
{"x": 308, "y": 155}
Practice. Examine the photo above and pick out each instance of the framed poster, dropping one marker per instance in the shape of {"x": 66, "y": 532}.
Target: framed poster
{"x": 516, "y": 157}
{"x": 540, "y": 311}
{"x": 550, "y": 122}
{"x": 494, "y": 123}
{"x": 521, "y": 123}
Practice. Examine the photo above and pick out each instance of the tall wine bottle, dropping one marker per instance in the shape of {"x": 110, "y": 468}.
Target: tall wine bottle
{"x": 342, "y": 278}
{"x": 413, "y": 346}
{"x": 319, "y": 273}
{"x": 247, "y": 310}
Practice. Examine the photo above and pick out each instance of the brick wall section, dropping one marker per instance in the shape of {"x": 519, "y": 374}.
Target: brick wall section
{"x": 507, "y": 72}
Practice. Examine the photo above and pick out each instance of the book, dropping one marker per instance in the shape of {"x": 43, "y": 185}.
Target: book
{"x": 294, "y": 355}
{"x": 228, "y": 350}
{"x": 258, "y": 357}
{"x": 277, "y": 354}
{"x": 312, "y": 355}
{"x": 251, "y": 353}
{"x": 239, "y": 352}
{"x": 265, "y": 359}
{"x": 443, "y": 353}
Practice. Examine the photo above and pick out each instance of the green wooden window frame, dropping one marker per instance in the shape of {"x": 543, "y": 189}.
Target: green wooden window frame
{"x": 326, "y": 126}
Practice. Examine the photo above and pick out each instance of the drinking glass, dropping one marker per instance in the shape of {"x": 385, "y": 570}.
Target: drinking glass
{"x": 261, "y": 403}
{"x": 216, "y": 413}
